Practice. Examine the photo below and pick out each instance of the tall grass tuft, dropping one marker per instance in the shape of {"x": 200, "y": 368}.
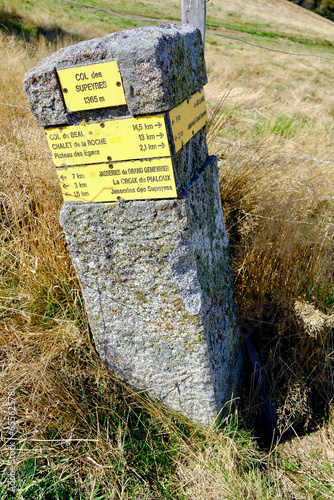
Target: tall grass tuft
{"x": 279, "y": 214}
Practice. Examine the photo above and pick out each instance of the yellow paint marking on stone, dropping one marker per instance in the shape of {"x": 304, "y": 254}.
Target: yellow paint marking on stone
{"x": 92, "y": 86}
{"x": 129, "y": 180}
{"x": 188, "y": 118}
{"x": 113, "y": 140}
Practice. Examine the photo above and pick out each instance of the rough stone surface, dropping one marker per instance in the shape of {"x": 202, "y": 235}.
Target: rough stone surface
{"x": 160, "y": 67}
{"x": 157, "y": 284}
{"x": 190, "y": 161}
{"x": 155, "y": 275}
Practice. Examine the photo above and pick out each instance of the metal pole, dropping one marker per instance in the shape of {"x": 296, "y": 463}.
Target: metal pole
{"x": 194, "y": 12}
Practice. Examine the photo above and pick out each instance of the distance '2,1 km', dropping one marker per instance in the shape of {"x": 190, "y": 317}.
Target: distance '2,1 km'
{"x": 112, "y": 140}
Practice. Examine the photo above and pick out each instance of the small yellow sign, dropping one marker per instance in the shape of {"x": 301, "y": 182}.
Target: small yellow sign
{"x": 92, "y": 86}
{"x": 129, "y": 180}
{"x": 188, "y": 118}
{"x": 112, "y": 140}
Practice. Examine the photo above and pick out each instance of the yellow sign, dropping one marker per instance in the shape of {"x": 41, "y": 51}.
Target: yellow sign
{"x": 188, "y": 118}
{"x": 92, "y": 86}
{"x": 129, "y": 180}
{"x": 113, "y": 140}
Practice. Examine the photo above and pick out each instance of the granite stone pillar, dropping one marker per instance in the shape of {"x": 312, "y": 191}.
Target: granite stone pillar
{"x": 155, "y": 272}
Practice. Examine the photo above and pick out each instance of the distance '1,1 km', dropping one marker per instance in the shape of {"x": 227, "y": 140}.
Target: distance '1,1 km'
{"x": 112, "y": 140}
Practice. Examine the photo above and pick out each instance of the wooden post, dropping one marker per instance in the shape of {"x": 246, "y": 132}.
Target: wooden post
{"x": 194, "y": 12}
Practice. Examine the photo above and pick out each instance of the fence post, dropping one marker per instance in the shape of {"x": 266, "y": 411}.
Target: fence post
{"x": 125, "y": 119}
{"x": 194, "y": 12}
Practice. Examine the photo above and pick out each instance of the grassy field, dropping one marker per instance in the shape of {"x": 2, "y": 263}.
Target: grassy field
{"x": 80, "y": 432}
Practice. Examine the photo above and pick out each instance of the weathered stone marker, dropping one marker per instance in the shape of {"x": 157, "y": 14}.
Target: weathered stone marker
{"x": 125, "y": 119}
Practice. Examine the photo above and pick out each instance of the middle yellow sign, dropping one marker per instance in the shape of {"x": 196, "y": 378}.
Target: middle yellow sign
{"x": 112, "y": 140}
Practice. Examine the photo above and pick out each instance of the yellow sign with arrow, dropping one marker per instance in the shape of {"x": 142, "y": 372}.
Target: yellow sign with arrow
{"x": 112, "y": 140}
{"x": 128, "y": 180}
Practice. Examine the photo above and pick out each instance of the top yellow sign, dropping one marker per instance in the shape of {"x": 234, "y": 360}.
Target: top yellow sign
{"x": 188, "y": 118}
{"x": 92, "y": 86}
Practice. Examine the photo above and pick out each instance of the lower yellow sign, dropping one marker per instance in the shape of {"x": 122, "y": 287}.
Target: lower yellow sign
{"x": 188, "y": 118}
{"x": 128, "y": 180}
{"x": 112, "y": 140}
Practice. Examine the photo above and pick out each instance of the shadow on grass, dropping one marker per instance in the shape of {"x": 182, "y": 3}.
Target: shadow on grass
{"x": 14, "y": 24}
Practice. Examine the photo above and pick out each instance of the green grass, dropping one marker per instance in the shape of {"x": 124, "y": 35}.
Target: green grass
{"x": 283, "y": 126}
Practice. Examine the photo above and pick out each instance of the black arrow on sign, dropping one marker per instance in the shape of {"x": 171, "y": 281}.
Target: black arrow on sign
{"x": 63, "y": 177}
{"x": 162, "y": 145}
{"x": 65, "y": 186}
{"x": 158, "y": 124}
{"x": 160, "y": 135}
{"x": 67, "y": 194}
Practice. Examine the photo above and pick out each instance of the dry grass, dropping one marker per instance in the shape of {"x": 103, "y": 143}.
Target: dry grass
{"x": 80, "y": 428}
{"x": 279, "y": 214}
{"x": 278, "y": 16}
{"x": 264, "y": 108}
{"x": 278, "y": 209}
